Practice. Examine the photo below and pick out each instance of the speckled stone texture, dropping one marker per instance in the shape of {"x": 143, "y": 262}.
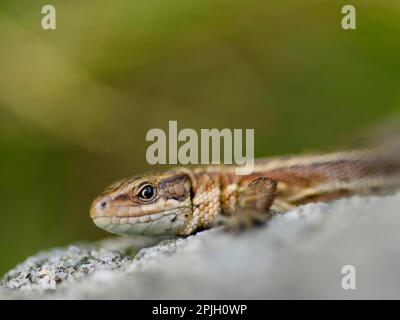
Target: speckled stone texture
{"x": 297, "y": 255}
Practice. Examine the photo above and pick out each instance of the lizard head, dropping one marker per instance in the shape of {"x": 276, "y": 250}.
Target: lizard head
{"x": 154, "y": 204}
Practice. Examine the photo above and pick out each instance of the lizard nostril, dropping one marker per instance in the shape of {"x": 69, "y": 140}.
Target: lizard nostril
{"x": 103, "y": 205}
{"x": 98, "y": 206}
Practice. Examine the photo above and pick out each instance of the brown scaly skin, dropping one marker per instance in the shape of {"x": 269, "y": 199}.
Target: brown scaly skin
{"x": 189, "y": 199}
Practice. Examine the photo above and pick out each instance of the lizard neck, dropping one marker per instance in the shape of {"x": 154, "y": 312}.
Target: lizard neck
{"x": 206, "y": 199}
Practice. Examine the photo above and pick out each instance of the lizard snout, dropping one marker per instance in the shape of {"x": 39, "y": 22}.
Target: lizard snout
{"x": 98, "y": 207}
{"x": 109, "y": 205}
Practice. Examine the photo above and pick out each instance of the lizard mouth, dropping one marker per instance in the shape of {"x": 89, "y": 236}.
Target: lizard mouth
{"x": 165, "y": 223}
{"x": 106, "y": 206}
{"x": 143, "y": 218}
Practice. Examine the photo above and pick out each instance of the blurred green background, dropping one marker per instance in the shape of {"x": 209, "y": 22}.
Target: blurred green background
{"x": 76, "y": 102}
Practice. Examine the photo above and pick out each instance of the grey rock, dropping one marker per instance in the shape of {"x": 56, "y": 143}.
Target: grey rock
{"x": 297, "y": 255}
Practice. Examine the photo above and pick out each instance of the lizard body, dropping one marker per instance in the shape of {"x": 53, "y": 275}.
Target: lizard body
{"x": 183, "y": 200}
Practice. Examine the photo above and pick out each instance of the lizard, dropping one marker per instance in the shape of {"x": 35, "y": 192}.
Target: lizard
{"x": 184, "y": 200}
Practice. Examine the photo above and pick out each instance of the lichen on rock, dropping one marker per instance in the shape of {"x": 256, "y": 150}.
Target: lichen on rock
{"x": 300, "y": 254}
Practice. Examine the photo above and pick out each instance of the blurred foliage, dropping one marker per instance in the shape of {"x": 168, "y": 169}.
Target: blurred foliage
{"x": 76, "y": 102}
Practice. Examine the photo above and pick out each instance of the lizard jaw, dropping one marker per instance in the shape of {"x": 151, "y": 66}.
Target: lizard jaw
{"x": 168, "y": 222}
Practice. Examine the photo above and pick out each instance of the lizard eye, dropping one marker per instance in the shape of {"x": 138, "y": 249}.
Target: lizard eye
{"x": 147, "y": 192}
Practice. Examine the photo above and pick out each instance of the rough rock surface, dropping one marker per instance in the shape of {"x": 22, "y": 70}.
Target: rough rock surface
{"x": 297, "y": 255}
